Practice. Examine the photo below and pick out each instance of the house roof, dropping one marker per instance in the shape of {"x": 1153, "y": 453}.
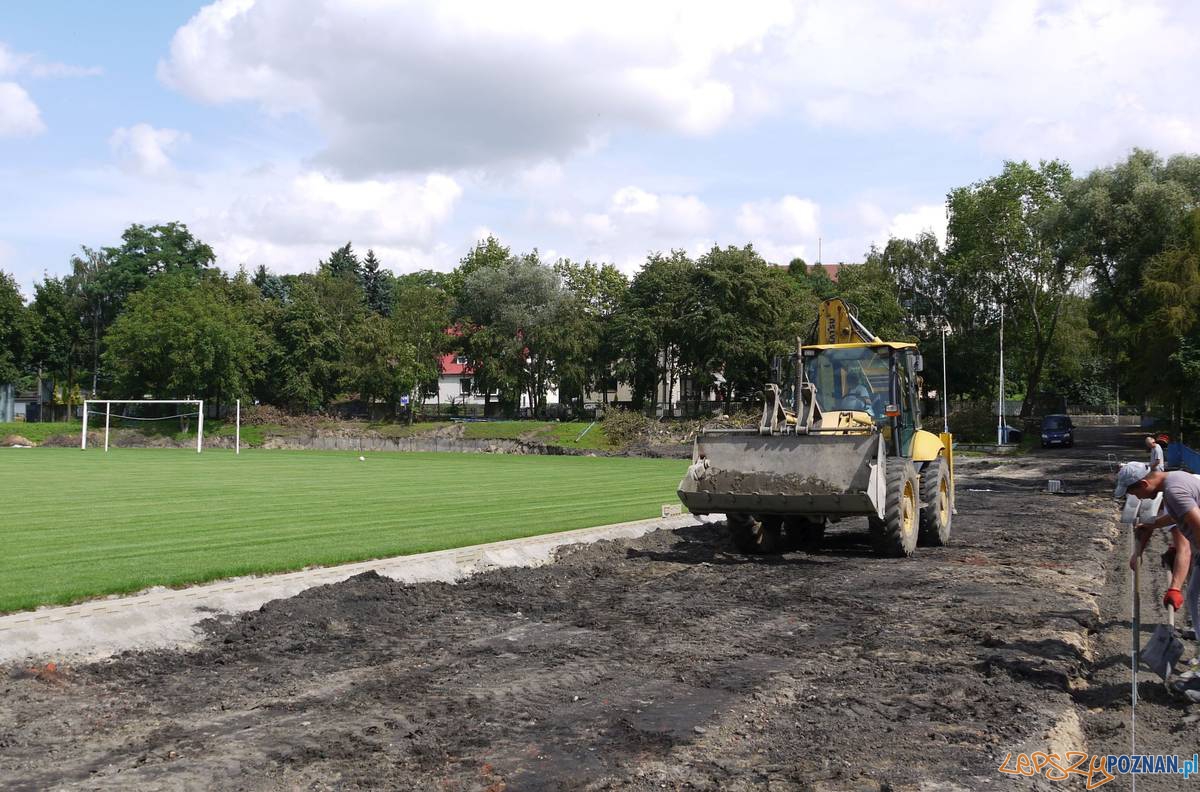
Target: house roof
{"x": 452, "y": 367}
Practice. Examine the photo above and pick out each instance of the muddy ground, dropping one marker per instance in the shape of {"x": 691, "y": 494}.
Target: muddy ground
{"x": 663, "y": 662}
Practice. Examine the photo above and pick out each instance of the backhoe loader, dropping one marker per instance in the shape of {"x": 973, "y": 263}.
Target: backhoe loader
{"x": 841, "y": 438}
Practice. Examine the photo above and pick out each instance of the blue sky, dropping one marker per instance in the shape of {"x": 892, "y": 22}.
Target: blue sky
{"x": 279, "y": 130}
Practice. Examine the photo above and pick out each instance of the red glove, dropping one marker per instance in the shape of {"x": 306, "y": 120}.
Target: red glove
{"x": 1173, "y": 598}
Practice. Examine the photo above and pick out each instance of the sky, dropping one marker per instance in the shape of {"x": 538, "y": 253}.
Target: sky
{"x": 278, "y": 130}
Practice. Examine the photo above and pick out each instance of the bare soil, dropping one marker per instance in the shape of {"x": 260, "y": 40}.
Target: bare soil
{"x": 668, "y": 661}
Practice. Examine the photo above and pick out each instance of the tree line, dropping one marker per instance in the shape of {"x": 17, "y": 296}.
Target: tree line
{"x": 1096, "y": 280}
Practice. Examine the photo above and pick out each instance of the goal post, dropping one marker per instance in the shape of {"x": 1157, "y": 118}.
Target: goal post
{"x": 108, "y": 403}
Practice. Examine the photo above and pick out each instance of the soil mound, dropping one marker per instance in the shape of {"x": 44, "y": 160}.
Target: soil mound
{"x": 15, "y": 440}
{"x": 71, "y": 440}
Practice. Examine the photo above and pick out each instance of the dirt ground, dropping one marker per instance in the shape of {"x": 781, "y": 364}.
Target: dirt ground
{"x": 663, "y": 662}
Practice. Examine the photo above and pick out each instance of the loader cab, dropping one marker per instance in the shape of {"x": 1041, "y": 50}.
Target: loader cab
{"x": 877, "y": 379}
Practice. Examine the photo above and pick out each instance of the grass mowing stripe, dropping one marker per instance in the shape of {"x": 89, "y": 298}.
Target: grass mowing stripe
{"x": 80, "y": 524}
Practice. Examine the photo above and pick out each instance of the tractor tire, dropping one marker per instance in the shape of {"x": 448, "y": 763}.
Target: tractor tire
{"x": 896, "y": 534}
{"x": 938, "y": 511}
{"x": 755, "y": 537}
{"x": 807, "y": 533}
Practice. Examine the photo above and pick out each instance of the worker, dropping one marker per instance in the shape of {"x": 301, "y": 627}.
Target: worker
{"x": 1156, "y": 454}
{"x": 1181, "y": 513}
{"x": 858, "y": 395}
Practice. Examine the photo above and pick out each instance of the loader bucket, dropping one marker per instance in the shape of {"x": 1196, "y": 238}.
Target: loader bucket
{"x": 821, "y": 474}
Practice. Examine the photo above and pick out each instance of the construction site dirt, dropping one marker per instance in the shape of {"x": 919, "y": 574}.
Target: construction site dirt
{"x": 668, "y": 661}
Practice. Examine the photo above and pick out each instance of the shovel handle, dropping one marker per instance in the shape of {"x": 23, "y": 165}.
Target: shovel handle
{"x": 1171, "y": 616}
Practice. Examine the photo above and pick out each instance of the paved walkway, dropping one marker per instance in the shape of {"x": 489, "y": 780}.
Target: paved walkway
{"x": 163, "y": 617}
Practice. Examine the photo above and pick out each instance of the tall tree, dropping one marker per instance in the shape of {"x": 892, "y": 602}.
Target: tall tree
{"x": 650, "y": 329}
{"x": 420, "y": 317}
{"x": 60, "y": 339}
{"x": 14, "y": 331}
{"x": 1169, "y": 340}
{"x": 304, "y": 370}
{"x": 147, "y": 252}
{"x": 514, "y": 315}
{"x": 743, "y": 313}
{"x": 182, "y": 337}
{"x": 377, "y": 285}
{"x": 586, "y": 350}
{"x": 1004, "y": 235}
{"x": 487, "y": 254}
{"x": 1119, "y": 219}
{"x": 343, "y": 263}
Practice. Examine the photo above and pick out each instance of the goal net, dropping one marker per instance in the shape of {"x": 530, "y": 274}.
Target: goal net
{"x": 110, "y": 410}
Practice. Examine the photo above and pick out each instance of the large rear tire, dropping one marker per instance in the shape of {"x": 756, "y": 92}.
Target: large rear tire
{"x": 896, "y": 534}
{"x": 755, "y": 537}
{"x": 938, "y": 510}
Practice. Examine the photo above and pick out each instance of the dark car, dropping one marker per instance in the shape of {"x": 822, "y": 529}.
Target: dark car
{"x": 1057, "y": 430}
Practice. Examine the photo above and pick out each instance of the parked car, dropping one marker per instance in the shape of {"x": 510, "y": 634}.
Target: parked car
{"x": 1057, "y": 430}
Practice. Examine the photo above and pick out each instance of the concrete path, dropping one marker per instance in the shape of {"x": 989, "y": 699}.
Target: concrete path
{"x": 162, "y": 617}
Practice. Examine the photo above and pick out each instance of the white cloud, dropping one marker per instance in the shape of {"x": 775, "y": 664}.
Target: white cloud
{"x": 788, "y": 220}
{"x": 634, "y": 201}
{"x": 19, "y": 116}
{"x": 444, "y": 85}
{"x": 143, "y": 149}
{"x": 14, "y": 63}
{"x": 930, "y": 217}
{"x": 659, "y": 216}
{"x": 435, "y": 85}
{"x": 312, "y": 208}
{"x": 1023, "y": 78}
{"x": 285, "y": 217}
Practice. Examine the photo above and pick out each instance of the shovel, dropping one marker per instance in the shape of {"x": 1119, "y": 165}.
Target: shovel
{"x": 1164, "y": 648}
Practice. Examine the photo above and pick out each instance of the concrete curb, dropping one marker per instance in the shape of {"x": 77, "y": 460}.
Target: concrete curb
{"x": 167, "y": 618}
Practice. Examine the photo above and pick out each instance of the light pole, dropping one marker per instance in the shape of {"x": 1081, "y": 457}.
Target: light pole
{"x": 1000, "y": 411}
{"x": 945, "y": 389}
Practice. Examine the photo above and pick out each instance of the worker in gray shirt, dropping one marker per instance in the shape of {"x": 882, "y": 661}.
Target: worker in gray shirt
{"x": 1181, "y": 512}
{"x": 1156, "y": 454}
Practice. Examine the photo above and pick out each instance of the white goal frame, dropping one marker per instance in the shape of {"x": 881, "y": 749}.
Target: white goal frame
{"x": 108, "y": 403}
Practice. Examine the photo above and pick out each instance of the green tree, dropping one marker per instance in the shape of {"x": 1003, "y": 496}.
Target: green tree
{"x": 586, "y": 350}
{"x": 343, "y": 263}
{"x": 819, "y": 283}
{"x": 377, "y": 285}
{"x": 14, "y": 331}
{"x": 59, "y": 338}
{"x": 145, "y": 253}
{"x": 487, "y": 254}
{"x": 798, "y": 268}
{"x": 1169, "y": 341}
{"x": 181, "y": 337}
{"x": 650, "y": 327}
{"x": 1120, "y": 218}
{"x": 872, "y": 288}
{"x": 271, "y": 286}
{"x": 743, "y": 312}
{"x": 514, "y": 315}
{"x": 304, "y": 369}
{"x": 420, "y": 318}
{"x": 1004, "y": 238}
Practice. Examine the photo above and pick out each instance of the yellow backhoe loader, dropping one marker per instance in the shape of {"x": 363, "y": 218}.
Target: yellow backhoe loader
{"x": 842, "y": 438}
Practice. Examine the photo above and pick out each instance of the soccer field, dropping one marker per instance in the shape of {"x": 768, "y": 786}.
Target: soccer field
{"x": 75, "y": 524}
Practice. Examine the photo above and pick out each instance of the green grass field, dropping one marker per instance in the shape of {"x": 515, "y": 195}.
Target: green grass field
{"x": 77, "y": 524}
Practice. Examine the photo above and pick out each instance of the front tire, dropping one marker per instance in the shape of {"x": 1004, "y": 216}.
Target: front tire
{"x": 755, "y": 537}
{"x": 896, "y": 534}
{"x": 938, "y": 511}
